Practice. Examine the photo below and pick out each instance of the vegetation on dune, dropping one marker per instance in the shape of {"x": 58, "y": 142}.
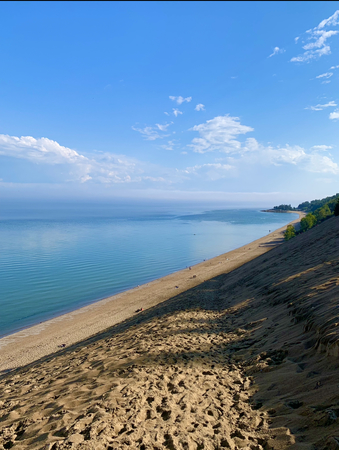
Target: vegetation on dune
{"x": 312, "y": 206}
{"x": 289, "y": 233}
{"x": 318, "y": 211}
{"x": 336, "y": 208}
{"x": 317, "y": 204}
{"x": 307, "y": 222}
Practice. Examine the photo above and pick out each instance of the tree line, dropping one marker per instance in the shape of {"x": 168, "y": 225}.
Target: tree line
{"x": 284, "y": 208}
{"x": 329, "y": 207}
{"x": 311, "y": 206}
{"x": 317, "y": 204}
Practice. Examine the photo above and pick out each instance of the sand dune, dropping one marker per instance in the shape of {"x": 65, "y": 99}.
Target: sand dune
{"x": 244, "y": 360}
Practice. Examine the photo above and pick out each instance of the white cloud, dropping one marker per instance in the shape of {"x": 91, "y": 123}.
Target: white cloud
{"x": 163, "y": 127}
{"x": 317, "y": 40}
{"x": 169, "y": 145}
{"x": 317, "y": 37}
{"x": 176, "y": 112}
{"x": 295, "y": 155}
{"x": 108, "y": 168}
{"x": 288, "y": 154}
{"x": 334, "y": 67}
{"x": 149, "y": 133}
{"x": 323, "y": 148}
{"x": 105, "y": 168}
{"x": 321, "y": 164}
{"x": 85, "y": 178}
{"x": 321, "y": 107}
{"x": 41, "y": 150}
{"x": 166, "y": 113}
{"x": 180, "y": 99}
{"x": 334, "y": 115}
{"x": 251, "y": 144}
{"x": 332, "y": 20}
{"x": 219, "y": 134}
{"x": 320, "y": 39}
{"x": 200, "y": 107}
{"x": 312, "y": 54}
{"x": 325, "y": 75}
{"x": 276, "y": 50}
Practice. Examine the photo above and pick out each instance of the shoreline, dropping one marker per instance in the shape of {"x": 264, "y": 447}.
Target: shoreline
{"x": 31, "y": 344}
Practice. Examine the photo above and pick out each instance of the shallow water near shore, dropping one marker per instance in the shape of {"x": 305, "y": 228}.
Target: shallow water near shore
{"x": 56, "y": 260}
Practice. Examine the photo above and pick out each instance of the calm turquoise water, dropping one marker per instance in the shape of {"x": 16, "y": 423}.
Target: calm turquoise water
{"x": 54, "y": 260}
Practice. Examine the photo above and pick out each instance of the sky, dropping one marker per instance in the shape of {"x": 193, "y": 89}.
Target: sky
{"x": 213, "y": 101}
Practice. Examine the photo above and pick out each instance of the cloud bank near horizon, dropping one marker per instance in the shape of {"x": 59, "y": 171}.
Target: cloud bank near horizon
{"x": 223, "y": 138}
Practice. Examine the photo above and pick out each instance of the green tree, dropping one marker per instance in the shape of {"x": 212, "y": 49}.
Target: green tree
{"x": 322, "y": 213}
{"x": 307, "y": 222}
{"x": 289, "y": 233}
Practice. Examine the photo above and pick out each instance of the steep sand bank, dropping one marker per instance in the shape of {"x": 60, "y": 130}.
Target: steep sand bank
{"x": 35, "y": 342}
{"x": 245, "y": 360}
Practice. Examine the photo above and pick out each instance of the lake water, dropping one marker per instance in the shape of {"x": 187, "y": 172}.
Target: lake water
{"x": 55, "y": 260}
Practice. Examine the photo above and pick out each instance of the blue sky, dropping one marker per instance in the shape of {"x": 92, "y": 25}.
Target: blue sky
{"x": 234, "y": 101}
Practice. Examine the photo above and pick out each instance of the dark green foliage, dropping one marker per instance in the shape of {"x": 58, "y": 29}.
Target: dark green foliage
{"x": 336, "y": 208}
{"x": 316, "y": 204}
{"x": 322, "y": 213}
{"x": 284, "y": 207}
{"x": 307, "y": 222}
{"x": 289, "y": 233}
{"x": 318, "y": 211}
{"x": 331, "y": 204}
{"x": 304, "y": 206}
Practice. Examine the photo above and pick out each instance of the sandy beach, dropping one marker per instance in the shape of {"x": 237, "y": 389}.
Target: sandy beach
{"x": 40, "y": 340}
{"x": 239, "y": 352}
